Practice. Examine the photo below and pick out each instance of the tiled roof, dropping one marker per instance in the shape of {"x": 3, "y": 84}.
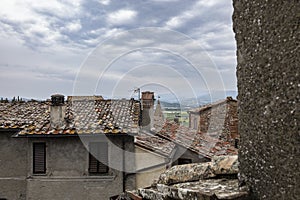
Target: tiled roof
{"x": 84, "y": 98}
{"x": 205, "y": 144}
{"x": 154, "y": 143}
{"x": 81, "y": 117}
{"x": 29, "y": 115}
{"x": 207, "y": 106}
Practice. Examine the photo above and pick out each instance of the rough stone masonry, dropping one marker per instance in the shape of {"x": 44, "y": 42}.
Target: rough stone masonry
{"x": 268, "y": 44}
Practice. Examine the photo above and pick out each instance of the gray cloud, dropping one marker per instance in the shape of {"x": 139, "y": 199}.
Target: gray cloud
{"x": 49, "y": 41}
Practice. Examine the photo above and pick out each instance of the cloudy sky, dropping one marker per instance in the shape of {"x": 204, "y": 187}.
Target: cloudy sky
{"x": 107, "y": 47}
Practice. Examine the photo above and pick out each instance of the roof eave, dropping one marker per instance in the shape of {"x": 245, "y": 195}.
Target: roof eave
{"x": 70, "y": 135}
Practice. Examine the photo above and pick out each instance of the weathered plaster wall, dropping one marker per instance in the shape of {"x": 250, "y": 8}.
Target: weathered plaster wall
{"x": 13, "y": 166}
{"x": 267, "y": 35}
{"x": 146, "y": 159}
{"x": 67, "y": 175}
{"x": 146, "y": 178}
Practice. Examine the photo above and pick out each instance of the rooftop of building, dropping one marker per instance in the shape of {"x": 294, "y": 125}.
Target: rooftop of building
{"x": 154, "y": 143}
{"x": 172, "y": 134}
{"x": 83, "y": 115}
{"x": 211, "y": 105}
{"x": 205, "y": 144}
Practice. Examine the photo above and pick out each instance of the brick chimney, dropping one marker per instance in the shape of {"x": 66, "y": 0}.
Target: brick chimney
{"x": 57, "y": 110}
{"x": 147, "y": 109}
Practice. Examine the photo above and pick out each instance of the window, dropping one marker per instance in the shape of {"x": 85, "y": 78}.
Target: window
{"x": 195, "y": 124}
{"x": 182, "y": 161}
{"x": 39, "y": 158}
{"x": 98, "y": 157}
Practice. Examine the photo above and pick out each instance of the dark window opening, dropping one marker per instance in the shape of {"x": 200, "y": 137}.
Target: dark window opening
{"x": 182, "y": 161}
{"x": 98, "y": 157}
{"x": 39, "y": 158}
{"x": 236, "y": 143}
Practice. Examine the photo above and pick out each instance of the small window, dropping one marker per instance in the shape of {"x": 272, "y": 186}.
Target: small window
{"x": 182, "y": 161}
{"x": 39, "y": 158}
{"x": 195, "y": 124}
{"x": 98, "y": 157}
{"x": 236, "y": 143}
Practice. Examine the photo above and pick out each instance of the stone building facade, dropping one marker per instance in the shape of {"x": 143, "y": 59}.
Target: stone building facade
{"x": 267, "y": 35}
{"x": 82, "y": 153}
{"x": 67, "y": 174}
{"x": 219, "y": 119}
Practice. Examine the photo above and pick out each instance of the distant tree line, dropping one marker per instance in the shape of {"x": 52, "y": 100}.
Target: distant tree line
{"x": 14, "y": 99}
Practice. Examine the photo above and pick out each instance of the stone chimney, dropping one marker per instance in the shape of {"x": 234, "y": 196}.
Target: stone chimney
{"x": 158, "y": 119}
{"x": 57, "y": 110}
{"x": 147, "y": 109}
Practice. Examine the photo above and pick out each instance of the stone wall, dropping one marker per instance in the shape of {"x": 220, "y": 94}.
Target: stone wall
{"x": 210, "y": 181}
{"x": 267, "y": 35}
{"x": 67, "y": 175}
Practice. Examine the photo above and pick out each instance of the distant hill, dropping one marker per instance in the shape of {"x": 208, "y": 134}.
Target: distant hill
{"x": 195, "y": 102}
{"x": 169, "y": 105}
{"x": 215, "y": 96}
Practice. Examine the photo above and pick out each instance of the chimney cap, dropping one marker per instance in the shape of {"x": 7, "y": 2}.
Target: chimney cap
{"x": 57, "y": 99}
{"x": 57, "y": 95}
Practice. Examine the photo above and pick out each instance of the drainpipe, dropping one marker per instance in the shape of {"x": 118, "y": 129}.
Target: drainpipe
{"x": 124, "y": 174}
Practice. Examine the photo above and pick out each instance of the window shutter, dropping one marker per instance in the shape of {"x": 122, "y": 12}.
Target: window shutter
{"x": 103, "y": 157}
{"x": 98, "y": 157}
{"x": 93, "y": 162}
{"x": 39, "y": 158}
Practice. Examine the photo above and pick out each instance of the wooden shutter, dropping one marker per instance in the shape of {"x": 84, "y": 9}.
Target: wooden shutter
{"x": 98, "y": 157}
{"x": 93, "y": 162}
{"x": 103, "y": 155}
{"x": 39, "y": 158}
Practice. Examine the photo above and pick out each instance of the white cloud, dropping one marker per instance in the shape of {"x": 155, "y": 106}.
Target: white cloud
{"x": 186, "y": 15}
{"x": 28, "y": 10}
{"x": 15, "y": 10}
{"x": 62, "y": 9}
{"x": 74, "y": 26}
{"x": 121, "y": 17}
{"x": 104, "y": 2}
{"x": 38, "y": 23}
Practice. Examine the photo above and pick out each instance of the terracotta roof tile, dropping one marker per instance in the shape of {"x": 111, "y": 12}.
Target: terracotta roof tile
{"x": 201, "y": 143}
{"x": 81, "y": 117}
{"x": 155, "y": 143}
